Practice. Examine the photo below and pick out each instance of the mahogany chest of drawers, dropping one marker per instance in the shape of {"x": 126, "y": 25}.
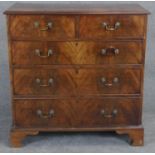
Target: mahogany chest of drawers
{"x": 76, "y": 67}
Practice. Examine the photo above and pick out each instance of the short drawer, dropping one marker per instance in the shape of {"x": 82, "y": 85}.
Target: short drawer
{"x": 79, "y": 113}
{"x": 112, "y": 26}
{"x": 82, "y": 52}
{"x": 74, "y": 81}
{"x": 48, "y": 27}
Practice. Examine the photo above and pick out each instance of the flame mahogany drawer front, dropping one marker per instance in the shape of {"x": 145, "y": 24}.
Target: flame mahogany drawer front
{"x": 123, "y": 26}
{"x": 42, "y": 27}
{"x": 73, "y": 82}
{"x": 80, "y": 113}
{"x": 88, "y": 52}
{"x": 77, "y": 67}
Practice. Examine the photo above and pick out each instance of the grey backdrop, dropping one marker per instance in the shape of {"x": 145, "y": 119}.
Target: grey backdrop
{"x": 88, "y": 142}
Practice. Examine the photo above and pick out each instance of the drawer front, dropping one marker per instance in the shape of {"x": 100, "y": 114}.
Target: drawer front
{"x": 65, "y": 113}
{"x": 42, "y": 27}
{"x": 112, "y": 26}
{"x": 70, "y": 81}
{"x": 41, "y": 53}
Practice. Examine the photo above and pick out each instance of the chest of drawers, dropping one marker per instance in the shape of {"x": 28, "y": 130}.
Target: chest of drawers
{"x": 76, "y": 67}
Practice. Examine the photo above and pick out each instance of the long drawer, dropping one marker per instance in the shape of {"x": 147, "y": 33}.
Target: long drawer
{"x": 74, "y": 81}
{"x": 82, "y": 113}
{"x": 112, "y": 27}
{"x": 82, "y": 52}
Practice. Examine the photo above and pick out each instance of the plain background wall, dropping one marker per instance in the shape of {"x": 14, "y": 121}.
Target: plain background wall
{"x": 149, "y": 85}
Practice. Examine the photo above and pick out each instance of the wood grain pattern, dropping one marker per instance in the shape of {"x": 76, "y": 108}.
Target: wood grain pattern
{"x": 62, "y": 27}
{"x": 78, "y": 113}
{"x": 131, "y": 26}
{"x": 16, "y": 138}
{"x": 81, "y": 52}
{"x": 136, "y": 135}
{"x": 75, "y": 8}
{"x": 73, "y": 82}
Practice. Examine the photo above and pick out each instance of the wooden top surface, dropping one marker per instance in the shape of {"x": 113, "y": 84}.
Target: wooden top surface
{"x": 75, "y": 8}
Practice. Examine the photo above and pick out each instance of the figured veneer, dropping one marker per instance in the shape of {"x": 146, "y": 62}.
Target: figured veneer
{"x": 70, "y": 82}
{"x": 42, "y": 27}
{"x": 70, "y": 113}
{"x": 130, "y": 26}
{"x": 83, "y": 52}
